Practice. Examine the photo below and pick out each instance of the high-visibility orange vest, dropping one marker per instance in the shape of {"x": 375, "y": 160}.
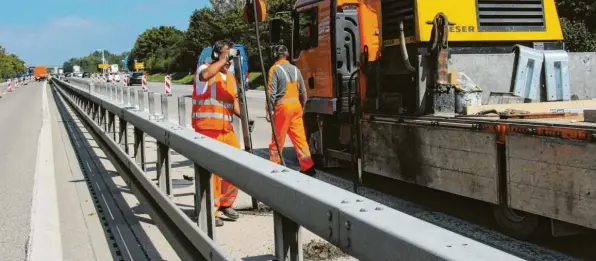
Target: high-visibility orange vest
{"x": 292, "y": 94}
{"x": 214, "y": 109}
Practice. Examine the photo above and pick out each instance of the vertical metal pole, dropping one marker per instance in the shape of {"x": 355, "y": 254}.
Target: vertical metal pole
{"x": 164, "y": 106}
{"x": 141, "y": 99}
{"x": 163, "y": 168}
{"x": 131, "y": 97}
{"x": 123, "y": 139}
{"x": 182, "y": 111}
{"x": 204, "y": 207}
{"x": 121, "y": 89}
{"x": 151, "y": 103}
{"x": 139, "y": 148}
{"x": 288, "y": 239}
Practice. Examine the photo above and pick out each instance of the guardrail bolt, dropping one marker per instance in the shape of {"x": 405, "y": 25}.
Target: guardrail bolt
{"x": 362, "y": 210}
{"x": 285, "y": 170}
{"x": 274, "y": 171}
{"x": 378, "y": 208}
{"x": 345, "y": 201}
{"x": 359, "y": 200}
{"x": 347, "y": 224}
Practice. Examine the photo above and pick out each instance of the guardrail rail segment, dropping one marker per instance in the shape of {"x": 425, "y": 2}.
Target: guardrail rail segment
{"x": 365, "y": 229}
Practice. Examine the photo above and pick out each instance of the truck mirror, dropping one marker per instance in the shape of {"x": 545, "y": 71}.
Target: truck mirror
{"x": 275, "y": 27}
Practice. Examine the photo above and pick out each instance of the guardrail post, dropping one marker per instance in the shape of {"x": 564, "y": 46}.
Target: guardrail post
{"x": 121, "y": 94}
{"x": 288, "y": 238}
{"x": 123, "y": 139}
{"x": 112, "y": 125}
{"x": 139, "y": 148}
{"x": 94, "y": 110}
{"x": 102, "y": 119}
{"x": 182, "y": 111}
{"x": 204, "y": 208}
{"x": 141, "y": 99}
{"x": 164, "y": 166}
{"x": 131, "y": 97}
{"x": 151, "y": 103}
{"x": 164, "y": 106}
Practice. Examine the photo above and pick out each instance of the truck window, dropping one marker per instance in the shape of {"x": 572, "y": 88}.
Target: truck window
{"x": 306, "y": 30}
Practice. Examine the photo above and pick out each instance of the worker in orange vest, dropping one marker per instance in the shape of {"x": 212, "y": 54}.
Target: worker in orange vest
{"x": 288, "y": 95}
{"x": 214, "y": 103}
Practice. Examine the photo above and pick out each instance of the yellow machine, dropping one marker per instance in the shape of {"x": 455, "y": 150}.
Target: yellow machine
{"x": 382, "y": 98}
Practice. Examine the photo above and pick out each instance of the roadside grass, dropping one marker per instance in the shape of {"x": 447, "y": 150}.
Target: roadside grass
{"x": 255, "y": 79}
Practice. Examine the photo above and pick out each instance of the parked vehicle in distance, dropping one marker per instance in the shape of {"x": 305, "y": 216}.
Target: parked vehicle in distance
{"x": 41, "y": 73}
{"x": 135, "y": 78}
{"x": 86, "y": 75}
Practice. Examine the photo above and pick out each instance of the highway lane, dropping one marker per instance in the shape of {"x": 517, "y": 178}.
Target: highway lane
{"x": 46, "y": 212}
{"x": 20, "y": 123}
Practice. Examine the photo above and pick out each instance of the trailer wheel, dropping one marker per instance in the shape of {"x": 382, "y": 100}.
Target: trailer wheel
{"x": 313, "y": 139}
{"x": 519, "y": 224}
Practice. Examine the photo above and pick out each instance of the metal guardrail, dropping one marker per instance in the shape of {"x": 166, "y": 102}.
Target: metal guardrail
{"x": 360, "y": 227}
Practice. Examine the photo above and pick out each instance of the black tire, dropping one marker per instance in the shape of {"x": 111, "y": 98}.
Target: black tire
{"x": 518, "y": 224}
{"x": 312, "y": 127}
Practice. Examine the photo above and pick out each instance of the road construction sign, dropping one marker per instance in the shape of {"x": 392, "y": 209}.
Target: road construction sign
{"x": 103, "y": 66}
{"x": 139, "y": 66}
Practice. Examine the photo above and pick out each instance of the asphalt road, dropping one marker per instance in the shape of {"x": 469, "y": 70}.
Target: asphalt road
{"x": 20, "y": 123}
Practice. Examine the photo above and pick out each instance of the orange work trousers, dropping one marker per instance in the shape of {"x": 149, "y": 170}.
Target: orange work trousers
{"x": 224, "y": 193}
{"x": 288, "y": 121}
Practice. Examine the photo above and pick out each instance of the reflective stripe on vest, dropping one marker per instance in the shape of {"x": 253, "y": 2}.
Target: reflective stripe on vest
{"x": 211, "y": 115}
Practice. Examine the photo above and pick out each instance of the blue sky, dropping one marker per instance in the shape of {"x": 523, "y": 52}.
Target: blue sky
{"x": 51, "y": 32}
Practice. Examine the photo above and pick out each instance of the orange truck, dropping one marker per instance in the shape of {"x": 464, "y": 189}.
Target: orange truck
{"x": 41, "y": 72}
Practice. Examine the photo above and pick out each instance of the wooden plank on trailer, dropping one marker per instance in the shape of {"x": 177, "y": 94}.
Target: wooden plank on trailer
{"x": 552, "y": 177}
{"x": 458, "y": 161}
{"x": 537, "y": 107}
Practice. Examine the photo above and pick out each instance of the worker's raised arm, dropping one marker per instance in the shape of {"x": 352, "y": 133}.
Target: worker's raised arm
{"x": 213, "y": 68}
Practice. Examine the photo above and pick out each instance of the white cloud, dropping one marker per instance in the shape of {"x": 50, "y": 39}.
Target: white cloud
{"x": 63, "y": 38}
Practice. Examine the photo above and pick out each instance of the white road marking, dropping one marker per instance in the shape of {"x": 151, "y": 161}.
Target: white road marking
{"x": 45, "y": 241}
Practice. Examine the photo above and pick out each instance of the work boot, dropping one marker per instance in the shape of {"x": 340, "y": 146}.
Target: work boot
{"x": 310, "y": 172}
{"x": 218, "y": 222}
{"x": 230, "y": 213}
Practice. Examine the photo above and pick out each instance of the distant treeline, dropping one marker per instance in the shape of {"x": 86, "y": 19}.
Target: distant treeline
{"x": 10, "y": 64}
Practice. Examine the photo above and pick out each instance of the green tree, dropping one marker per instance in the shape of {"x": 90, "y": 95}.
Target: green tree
{"x": 578, "y": 20}
{"x": 10, "y": 64}
{"x": 90, "y": 62}
{"x": 158, "y": 47}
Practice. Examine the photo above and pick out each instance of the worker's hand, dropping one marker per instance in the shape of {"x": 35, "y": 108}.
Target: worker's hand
{"x": 251, "y": 125}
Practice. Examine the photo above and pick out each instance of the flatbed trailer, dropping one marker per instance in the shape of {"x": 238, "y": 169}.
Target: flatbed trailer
{"x": 545, "y": 167}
